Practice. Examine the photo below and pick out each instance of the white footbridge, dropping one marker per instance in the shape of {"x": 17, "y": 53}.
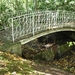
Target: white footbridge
{"x": 37, "y": 24}
{"x": 29, "y": 26}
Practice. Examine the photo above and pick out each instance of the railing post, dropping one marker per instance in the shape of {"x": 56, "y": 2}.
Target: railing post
{"x": 49, "y": 19}
{"x": 19, "y": 27}
{"x": 12, "y": 30}
{"x": 33, "y": 23}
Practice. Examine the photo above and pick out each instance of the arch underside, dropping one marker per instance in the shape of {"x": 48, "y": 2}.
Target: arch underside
{"x": 46, "y": 32}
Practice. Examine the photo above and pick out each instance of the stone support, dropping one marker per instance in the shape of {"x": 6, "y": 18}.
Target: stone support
{"x": 14, "y": 48}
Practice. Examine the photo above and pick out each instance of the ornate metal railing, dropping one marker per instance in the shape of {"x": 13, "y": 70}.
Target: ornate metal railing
{"x": 32, "y": 23}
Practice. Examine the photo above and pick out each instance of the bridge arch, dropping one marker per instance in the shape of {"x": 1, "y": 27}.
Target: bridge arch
{"x": 24, "y": 41}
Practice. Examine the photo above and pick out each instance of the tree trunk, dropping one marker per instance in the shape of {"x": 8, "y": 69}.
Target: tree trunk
{"x": 27, "y": 5}
{"x": 36, "y": 5}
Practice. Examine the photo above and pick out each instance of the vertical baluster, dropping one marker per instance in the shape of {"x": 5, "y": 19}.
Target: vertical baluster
{"x": 28, "y": 21}
{"x": 16, "y": 29}
{"x": 36, "y": 27}
{"x": 30, "y": 25}
{"x": 40, "y": 21}
{"x": 55, "y": 13}
{"x": 23, "y": 30}
{"x": 38, "y": 17}
{"x": 46, "y": 17}
{"x": 67, "y": 17}
{"x": 44, "y": 21}
{"x": 42, "y": 25}
{"x": 22, "y": 25}
{"x": 57, "y": 18}
{"x": 33, "y": 23}
{"x": 62, "y": 18}
{"x": 37, "y": 21}
{"x": 72, "y": 19}
{"x": 26, "y": 24}
{"x": 19, "y": 26}
{"x": 62, "y": 15}
{"x": 49, "y": 21}
{"x": 13, "y": 39}
{"x": 54, "y": 18}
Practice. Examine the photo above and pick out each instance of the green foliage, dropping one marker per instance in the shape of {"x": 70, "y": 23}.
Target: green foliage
{"x": 70, "y": 43}
{"x": 9, "y": 9}
{"x": 18, "y": 7}
{"x": 57, "y": 4}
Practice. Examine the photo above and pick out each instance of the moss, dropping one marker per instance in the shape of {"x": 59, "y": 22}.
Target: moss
{"x": 64, "y": 48}
{"x": 47, "y": 55}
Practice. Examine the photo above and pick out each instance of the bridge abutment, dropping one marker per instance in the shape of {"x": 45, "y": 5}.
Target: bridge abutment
{"x": 16, "y": 49}
{"x": 13, "y": 48}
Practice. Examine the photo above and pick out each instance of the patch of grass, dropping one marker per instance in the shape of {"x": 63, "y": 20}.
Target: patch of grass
{"x": 13, "y": 63}
{"x": 2, "y": 72}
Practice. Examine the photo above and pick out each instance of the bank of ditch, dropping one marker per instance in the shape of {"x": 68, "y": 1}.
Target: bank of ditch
{"x": 60, "y": 56}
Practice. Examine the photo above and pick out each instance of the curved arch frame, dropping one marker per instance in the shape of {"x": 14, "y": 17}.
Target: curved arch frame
{"x": 24, "y": 41}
